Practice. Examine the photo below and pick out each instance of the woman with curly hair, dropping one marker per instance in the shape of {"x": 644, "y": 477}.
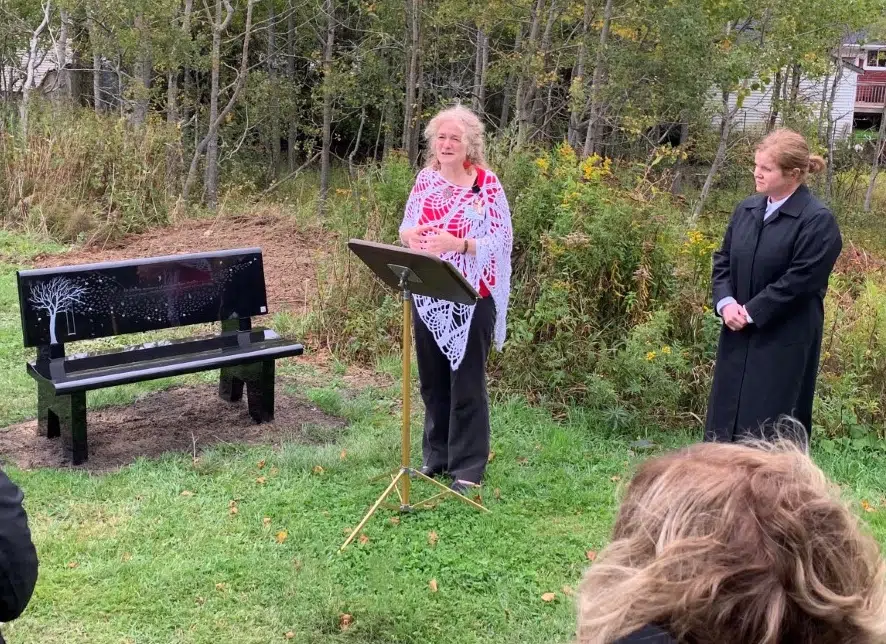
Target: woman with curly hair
{"x": 458, "y": 210}
{"x": 721, "y": 543}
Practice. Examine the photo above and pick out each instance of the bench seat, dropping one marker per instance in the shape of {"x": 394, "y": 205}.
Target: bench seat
{"x": 84, "y": 372}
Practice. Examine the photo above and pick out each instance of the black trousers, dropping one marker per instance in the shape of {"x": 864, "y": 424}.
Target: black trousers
{"x": 456, "y": 434}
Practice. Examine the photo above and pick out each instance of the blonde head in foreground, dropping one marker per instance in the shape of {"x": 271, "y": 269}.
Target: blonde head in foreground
{"x": 725, "y": 543}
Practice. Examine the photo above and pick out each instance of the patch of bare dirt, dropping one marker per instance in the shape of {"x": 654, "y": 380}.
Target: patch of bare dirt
{"x": 290, "y": 251}
{"x": 182, "y": 419}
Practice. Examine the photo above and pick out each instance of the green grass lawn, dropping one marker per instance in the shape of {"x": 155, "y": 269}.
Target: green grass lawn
{"x": 242, "y": 545}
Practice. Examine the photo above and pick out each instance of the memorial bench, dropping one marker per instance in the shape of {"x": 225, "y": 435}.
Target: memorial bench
{"x": 71, "y": 303}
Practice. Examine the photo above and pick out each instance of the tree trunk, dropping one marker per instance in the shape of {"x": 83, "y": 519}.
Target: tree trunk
{"x": 329, "y": 10}
{"x": 832, "y": 131}
{"x": 24, "y": 105}
{"x": 143, "y": 69}
{"x": 62, "y": 94}
{"x": 725, "y": 127}
{"x": 776, "y": 102}
{"x": 578, "y": 79}
{"x": 390, "y": 129}
{"x": 292, "y": 135}
{"x": 410, "y": 108}
{"x": 481, "y": 59}
{"x": 679, "y": 166}
{"x": 238, "y": 86}
{"x": 795, "y": 88}
{"x": 823, "y": 105}
{"x": 211, "y": 172}
{"x": 97, "y": 101}
{"x": 118, "y": 72}
{"x": 415, "y": 137}
{"x": 509, "y": 86}
{"x": 526, "y": 84}
{"x": 594, "y": 134}
{"x": 173, "y": 117}
{"x": 537, "y": 111}
{"x": 274, "y": 104}
{"x": 875, "y": 164}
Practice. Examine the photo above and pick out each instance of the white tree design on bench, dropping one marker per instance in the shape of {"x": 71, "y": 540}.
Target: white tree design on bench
{"x": 58, "y": 295}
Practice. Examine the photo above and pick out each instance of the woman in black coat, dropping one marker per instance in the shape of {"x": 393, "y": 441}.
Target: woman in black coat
{"x": 769, "y": 281}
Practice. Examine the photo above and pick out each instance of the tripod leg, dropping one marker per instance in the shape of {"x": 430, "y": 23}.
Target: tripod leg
{"x": 445, "y": 489}
{"x": 372, "y": 511}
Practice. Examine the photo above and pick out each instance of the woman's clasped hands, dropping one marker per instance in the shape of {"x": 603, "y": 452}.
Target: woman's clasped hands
{"x": 735, "y": 316}
{"x": 437, "y": 242}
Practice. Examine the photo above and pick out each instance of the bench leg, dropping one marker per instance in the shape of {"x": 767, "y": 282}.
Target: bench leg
{"x": 260, "y": 390}
{"x": 47, "y": 420}
{"x": 63, "y": 416}
{"x": 230, "y": 387}
{"x": 71, "y": 412}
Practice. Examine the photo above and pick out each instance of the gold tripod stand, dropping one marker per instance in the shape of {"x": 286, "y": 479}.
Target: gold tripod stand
{"x": 405, "y": 473}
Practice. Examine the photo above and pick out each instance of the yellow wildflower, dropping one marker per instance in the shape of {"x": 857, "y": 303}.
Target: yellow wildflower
{"x": 543, "y": 164}
{"x": 666, "y": 350}
{"x": 650, "y": 356}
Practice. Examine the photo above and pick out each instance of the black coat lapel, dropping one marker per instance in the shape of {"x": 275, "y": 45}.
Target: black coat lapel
{"x": 793, "y": 206}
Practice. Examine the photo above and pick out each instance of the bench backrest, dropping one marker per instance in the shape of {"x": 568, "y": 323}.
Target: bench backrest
{"x": 71, "y": 303}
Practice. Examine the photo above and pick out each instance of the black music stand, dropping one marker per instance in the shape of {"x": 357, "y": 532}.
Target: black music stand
{"x": 420, "y": 273}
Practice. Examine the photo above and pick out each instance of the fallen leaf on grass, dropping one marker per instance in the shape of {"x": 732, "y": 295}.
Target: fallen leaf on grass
{"x": 261, "y": 480}
{"x": 345, "y": 621}
{"x": 274, "y": 471}
{"x": 281, "y": 536}
{"x": 232, "y": 507}
{"x": 199, "y": 601}
{"x": 491, "y": 457}
{"x": 432, "y": 538}
{"x": 549, "y": 597}
{"x": 220, "y": 587}
{"x": 522, "y": 460}
{"x": 343, "y": 455}
{"x": 591, "y": 555}
{"x": 868, "y": 507}
{"x": 289, "y": 635}
{"x": 266, "y": 521}
{"x": 261, "y": 464}
{"x": 187, "y": 493}
{"x": 363, "y": 539}
{"x": 615, "y": 478}
{"x": 72, "y": 564}
{"x": 318, "y": 469}
{"x": 126, "y": 556}
{"x": 496, "y": 493}
{"x": 395, "y": 520}
{"x": 567, "y": 590}
{"x": 433, "y": 585}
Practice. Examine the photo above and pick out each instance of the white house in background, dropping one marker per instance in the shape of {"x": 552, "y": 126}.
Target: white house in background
{"x": 757, "y": 106}
{"x": 46, "y": 72}
{"x": 870, "y": 96}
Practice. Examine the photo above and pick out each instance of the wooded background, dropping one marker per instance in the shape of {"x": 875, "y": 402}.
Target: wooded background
{"x": 271, "y": 83}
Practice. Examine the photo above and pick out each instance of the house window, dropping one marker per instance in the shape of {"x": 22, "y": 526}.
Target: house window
{"x": 876, "y": 58}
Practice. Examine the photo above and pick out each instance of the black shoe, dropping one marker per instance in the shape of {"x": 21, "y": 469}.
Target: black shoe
{"x": 429, "y": 471}
{"x": 462, "y": 486}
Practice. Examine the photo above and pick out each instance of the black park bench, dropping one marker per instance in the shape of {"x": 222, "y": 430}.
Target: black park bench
{"x": 70, "y": 303}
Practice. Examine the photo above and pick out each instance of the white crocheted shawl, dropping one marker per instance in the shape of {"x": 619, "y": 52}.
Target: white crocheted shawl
{"x": 485, "y": 217}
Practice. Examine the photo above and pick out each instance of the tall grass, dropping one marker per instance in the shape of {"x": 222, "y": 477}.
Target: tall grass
{"x": 79, "y": 175}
